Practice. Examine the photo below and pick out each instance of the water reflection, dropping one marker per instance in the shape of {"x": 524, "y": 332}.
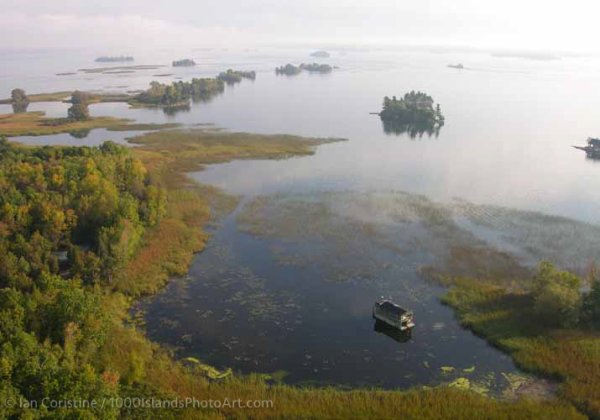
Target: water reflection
{"x": 80, "y": 134}
{"x": 19, "y": 107}
{"x": 413, "y": 130}
{"x": 174, "y": 110}
{"x": 394, "y": 333}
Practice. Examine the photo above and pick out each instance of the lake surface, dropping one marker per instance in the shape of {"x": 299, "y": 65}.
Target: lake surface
{"x": 297, "y": 299}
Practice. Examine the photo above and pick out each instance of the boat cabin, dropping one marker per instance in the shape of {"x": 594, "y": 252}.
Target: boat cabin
{"x": 392, "y": 314}
{"x": 593, "y": 142}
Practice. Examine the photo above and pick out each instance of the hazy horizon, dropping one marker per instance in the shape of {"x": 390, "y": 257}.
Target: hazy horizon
{"x": 110, "y": 24}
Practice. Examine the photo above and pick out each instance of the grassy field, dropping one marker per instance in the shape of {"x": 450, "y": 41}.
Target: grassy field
{"x": 44, "y": 97}
{"x": 505, "y": 318}
{"x": 36, "y": 124}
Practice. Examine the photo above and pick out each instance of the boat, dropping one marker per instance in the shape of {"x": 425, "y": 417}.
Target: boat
{"x": 392, "y": 314}
{"x": 592, "y": 150}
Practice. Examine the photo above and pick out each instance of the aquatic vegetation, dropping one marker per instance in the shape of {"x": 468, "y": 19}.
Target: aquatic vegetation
{"x": 143, "y": 126}
{"x": 460, "y": 383}
{"x": 169, "y": 154}
{"x": 568, "y": 243}
{"x": 506, "y": 318}
{"x": 207, "y": 370}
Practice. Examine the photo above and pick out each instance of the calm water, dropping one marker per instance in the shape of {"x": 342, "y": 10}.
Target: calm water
{"x": 509, "y": 127}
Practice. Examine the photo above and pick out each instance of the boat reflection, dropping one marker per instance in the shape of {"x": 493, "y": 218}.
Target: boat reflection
{"x": 393, "y": 333}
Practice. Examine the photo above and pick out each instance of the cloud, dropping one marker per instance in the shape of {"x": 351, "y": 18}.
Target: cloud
{"x": 123, "y": 31}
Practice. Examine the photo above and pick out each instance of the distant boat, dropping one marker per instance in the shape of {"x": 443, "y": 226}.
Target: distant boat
{"x": 592, "y": 150}
{"x": 456, "y": 66}
{"x": 392, "y": 314}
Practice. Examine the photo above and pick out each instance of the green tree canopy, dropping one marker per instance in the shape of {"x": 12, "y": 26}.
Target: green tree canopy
{"x": 557, "y": 295}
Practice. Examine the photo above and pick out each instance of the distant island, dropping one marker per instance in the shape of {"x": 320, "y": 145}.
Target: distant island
{"x": 114, "y": 59}
{"x": 235, "y": 76}
{"x": 186, "y": 62}
{"x": 456, "y": 66}
{"x": 320, "y": 54}
{"x": 316, "y": 68}
{"x": 414, "y": 114}
{"x": 290, "y": 69}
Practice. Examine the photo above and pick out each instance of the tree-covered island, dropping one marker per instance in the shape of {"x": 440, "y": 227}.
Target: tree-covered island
{"x": 316, "y": 68}
{"x": 186, "y": 62}
{"x": 291, "y": 70}
{"x": 235, "y": 76}
{"x": 179, "y": 93}
{"x": 414, "y": 114}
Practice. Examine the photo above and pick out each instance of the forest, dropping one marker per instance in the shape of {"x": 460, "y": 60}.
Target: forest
{"x": 70, "y": 220}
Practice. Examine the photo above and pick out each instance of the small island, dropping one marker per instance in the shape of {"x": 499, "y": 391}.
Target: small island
{"x": 320, "y": 54}
{"x": 114, "y": 59}
{"x": 186, "y": 62}
{"x": 178, "y": 94}
{"x": 316, "y": 68}
{"x": 291, "y": 70}
{"x": 235, "y": 76}
{"x": 288, "y": 70}
{"x": 414, "y": 114}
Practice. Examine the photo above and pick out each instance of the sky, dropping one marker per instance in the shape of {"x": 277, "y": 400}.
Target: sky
{"x": 549, "y": 25}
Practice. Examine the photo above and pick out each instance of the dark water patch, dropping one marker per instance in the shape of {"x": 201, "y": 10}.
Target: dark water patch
{"x": 298, "y": 298}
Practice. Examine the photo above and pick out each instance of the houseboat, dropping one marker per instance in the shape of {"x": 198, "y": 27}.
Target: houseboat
{"x": 392, "y": 314}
